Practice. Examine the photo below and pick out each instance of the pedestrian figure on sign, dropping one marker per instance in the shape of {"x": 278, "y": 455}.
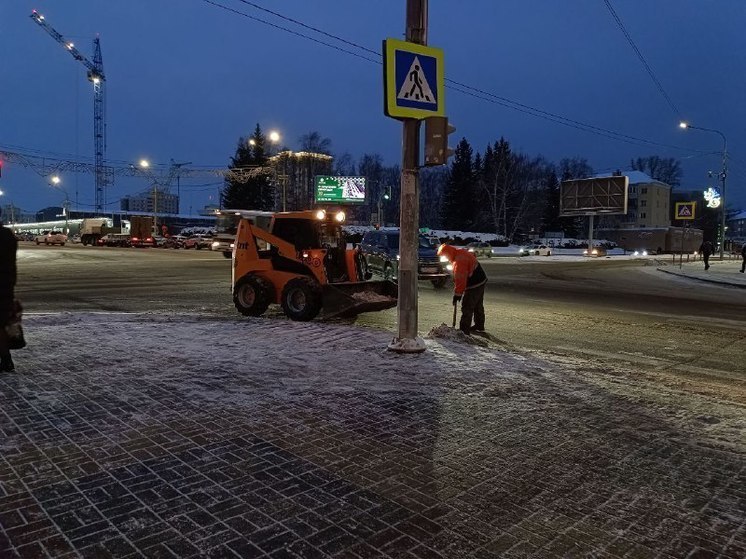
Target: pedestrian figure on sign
{"x": 743, "y": 255}
{"x": 705, "y": 250}
{"x": 8, "y": 248}
{"x": 469, "y": 282}
{"x": 414, "y": 77}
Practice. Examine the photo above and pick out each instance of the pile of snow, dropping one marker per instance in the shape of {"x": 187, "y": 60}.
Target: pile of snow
{"x": 371, "y": 297}
{"x": 445, "y": 332}
{"x": 442, "y": 235}
{"x": 188, "y": 231}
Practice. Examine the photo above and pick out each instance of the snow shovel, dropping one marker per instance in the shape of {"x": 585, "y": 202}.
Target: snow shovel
{"x": 455, "y": 310}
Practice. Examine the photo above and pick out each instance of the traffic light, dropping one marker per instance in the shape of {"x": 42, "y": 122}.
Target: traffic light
{"x": 437, "y": 129}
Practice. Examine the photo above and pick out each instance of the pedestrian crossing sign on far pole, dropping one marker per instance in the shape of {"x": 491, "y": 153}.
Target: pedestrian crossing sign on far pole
{"x": 685, "y": 210}
{"x": 414, "y": 80}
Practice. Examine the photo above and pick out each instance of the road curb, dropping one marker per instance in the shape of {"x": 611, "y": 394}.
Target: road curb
{"x": 706, "y": 280}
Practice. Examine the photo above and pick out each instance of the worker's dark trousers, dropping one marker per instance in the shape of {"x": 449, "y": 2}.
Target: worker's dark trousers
{"x": 472, "y": 306}
{"x": 706, "y": 258}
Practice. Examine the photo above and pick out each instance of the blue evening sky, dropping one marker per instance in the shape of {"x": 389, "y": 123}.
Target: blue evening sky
{"x": 185, "y": 79}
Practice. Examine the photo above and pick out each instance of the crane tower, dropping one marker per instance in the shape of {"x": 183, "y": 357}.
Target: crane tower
{"x": 97, "y": 77}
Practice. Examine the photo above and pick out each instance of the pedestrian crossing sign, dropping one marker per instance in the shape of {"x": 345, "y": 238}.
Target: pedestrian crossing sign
{"x": 685, "y": 210}
{"x": 414, "y": 80}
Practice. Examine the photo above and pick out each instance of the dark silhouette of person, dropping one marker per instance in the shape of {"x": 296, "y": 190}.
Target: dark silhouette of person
{"x": 743, "y": 255}
{"x": 705, "y": 250}
{"x": 414, "y": 77}
{"x": 8, "y": 249}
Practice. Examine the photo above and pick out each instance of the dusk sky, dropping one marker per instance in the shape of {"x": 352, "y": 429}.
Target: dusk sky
{"x": 185, "y": 79}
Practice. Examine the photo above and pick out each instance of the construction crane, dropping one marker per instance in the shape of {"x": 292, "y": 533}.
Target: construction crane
{"x": 97, "y": 77}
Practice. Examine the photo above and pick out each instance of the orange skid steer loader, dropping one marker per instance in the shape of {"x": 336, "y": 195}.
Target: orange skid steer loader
{"x": 303, "y": 264}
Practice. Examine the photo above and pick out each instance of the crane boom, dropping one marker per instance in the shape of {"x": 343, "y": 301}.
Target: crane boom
{"x": 97, "y": 77}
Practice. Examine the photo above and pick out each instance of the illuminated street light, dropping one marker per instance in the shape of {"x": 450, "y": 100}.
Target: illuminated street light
{"x": 274, "y": 136}
{"x": 55, "y": 180}
{"x": 252, "y": 142}
{"x": 144, "y": 163}
{"x": 723, "y": 175}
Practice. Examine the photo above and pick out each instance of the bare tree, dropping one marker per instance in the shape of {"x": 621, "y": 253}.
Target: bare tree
{"x": 664, "y": 169}
{"x": 314, "y": 142}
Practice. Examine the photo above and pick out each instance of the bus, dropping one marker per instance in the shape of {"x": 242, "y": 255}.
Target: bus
{"x": 227, "y": 225}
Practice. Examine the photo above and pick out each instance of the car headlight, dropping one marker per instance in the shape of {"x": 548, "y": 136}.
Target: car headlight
{"x": 635, "y": 253}
{"x": 398, "y": 257}
{"x": 471, "y": 250}
{"x": 215, "y": 244}
{"x": 644, "y": 252}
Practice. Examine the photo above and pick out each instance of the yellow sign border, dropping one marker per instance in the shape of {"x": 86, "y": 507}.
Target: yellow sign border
{"x": 694, "y": 210}
{"x": 390, "y": 108}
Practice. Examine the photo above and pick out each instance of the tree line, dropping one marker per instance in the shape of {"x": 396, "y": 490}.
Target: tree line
{"x": 499, "y": 190}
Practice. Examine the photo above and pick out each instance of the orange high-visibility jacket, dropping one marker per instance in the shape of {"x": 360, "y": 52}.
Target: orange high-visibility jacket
{"x": 467, "y": 272}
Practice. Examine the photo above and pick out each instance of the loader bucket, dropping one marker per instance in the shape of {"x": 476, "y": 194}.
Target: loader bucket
{"x": 348, "y": 299}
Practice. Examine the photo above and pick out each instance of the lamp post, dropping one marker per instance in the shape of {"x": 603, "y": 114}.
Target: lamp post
{"x": 274, "y": 138}
{"x": 55, "y": 182}
{"x": 723, "y": 175}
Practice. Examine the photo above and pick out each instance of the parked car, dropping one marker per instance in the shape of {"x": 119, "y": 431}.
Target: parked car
{"x": 539, "y": 250}
{"x": 381, "y": 252}
{"x": 595, "y": 252}
{"x": 114, "y": 240}
{"x": 175, "y": 241}
{"x": 198, "y": 242}
{"x": 52, "y": 238}
{"x": 480, "y": 249}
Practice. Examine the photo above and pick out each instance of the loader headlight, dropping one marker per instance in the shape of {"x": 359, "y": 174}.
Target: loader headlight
{"x": 321, "y": 214}
{"x": 443, "y": 259}
{"x": 449, "y": 267}
{"x": 340, "y": 217}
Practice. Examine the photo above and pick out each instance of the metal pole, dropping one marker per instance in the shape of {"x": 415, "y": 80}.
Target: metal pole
{"x": 590, "y": 235}
{"x": 407, "y": 340}
{"x": 723, "y": 175}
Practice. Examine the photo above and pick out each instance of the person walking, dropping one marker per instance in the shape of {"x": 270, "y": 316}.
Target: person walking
{"x": 743, "y": 255}
{"x": 469, "y": 282}
{"x": 705, "y": 249}
{"x": 8, "y": 248}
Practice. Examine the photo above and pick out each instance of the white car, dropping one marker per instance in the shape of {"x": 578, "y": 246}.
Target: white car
{"x": 540, "y": 250}
{"x": 52, "y": 238}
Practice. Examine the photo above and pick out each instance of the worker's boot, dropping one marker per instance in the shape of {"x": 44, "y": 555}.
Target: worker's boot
{"x": 6, "y": 363}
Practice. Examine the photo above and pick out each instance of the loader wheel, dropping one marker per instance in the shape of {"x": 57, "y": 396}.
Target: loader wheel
{"x": 251, "y": 295}
{"x": 301, "y": 299}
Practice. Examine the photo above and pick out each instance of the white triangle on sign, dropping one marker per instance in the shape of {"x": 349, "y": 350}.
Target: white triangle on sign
{"x": 684, "y": 210}
{"x": 415, "y": 86}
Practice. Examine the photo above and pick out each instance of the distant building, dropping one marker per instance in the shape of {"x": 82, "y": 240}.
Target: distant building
{"x": 151, "y": 201}
{"x": 49, "y": 214}
{"x": 647, "y": 223}
{"x": 649, "y": 205}
{"x": 736, "y": 227}
{"x": 295, "y": 174}
{"x": 14, "y": 214}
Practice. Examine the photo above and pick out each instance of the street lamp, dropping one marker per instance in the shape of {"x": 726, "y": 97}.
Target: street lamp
{"x": 274, "y": 137}
{"x": 723, "y": 175}
{"x": 55, "y": 182}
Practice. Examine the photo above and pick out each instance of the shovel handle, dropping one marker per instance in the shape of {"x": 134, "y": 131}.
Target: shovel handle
{"x": 455, "y": 309}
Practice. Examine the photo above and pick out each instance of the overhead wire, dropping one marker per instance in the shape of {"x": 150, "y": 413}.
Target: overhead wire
{"x": 639, "y": 54}
{"x": 454, "y": 85}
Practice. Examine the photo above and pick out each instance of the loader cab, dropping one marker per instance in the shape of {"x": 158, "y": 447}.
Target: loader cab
{"x": 324, "y": 231}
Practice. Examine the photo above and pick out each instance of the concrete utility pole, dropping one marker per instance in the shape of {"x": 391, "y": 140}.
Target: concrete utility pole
{"x": 407, "y": 340}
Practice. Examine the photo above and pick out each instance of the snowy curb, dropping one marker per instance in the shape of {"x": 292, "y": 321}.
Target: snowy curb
{"x": 705, "y": 280}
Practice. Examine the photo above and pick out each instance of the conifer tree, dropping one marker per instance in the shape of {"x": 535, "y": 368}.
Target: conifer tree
{"x": 456, "y": 212}
{"x": 256, "y": 193}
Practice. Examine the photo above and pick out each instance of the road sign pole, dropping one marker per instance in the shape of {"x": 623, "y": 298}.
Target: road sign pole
{"x": 407, "y": 340}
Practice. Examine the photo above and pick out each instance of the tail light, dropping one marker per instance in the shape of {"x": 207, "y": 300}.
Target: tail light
{"x": 135, "y": 239}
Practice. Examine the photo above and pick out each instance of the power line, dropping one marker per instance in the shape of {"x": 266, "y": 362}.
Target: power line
{"x": 642, "y": 58}
{"x": 454, "y": 85}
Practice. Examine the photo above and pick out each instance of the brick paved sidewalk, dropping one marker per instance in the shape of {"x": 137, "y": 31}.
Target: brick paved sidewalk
{"x": 146, "y": 436}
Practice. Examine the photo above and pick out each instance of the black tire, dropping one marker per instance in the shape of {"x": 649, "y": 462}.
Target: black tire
{"x": 227, "y": 254}
{"x": 301, "y": 299}
{"x": 439, "y": 283}
{"x": 251, "y": 295}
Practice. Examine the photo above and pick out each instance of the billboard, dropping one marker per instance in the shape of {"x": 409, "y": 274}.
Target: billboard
{"x": 598, "y": 195}
{"x": 340, "y": 190}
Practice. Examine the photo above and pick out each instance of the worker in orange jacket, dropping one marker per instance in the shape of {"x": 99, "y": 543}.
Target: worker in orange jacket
{"x": 469, "y": 281}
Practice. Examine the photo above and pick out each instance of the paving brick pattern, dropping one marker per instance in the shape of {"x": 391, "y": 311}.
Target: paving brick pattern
{"x": 111, "y": 455}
